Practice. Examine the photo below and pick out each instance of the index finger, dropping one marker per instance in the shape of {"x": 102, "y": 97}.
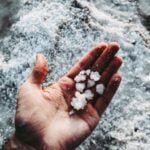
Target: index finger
{"x": 87, "y": 60}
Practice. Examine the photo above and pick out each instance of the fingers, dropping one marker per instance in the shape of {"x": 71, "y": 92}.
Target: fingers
{"x": 103, "y": 61}
{"x": 39, "y": 71}
{"x": 103, "y": 101}
{"x": 112, "y": 68}
{"x": 87, "y": 60}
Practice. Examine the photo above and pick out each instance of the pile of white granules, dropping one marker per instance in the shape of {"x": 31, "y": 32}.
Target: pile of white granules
{"x": 85, "y": 80}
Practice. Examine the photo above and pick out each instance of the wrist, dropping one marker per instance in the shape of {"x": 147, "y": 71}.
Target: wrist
{"x": 16, "y": 144}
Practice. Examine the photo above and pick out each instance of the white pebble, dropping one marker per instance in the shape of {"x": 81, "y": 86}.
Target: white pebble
{"x": 88, "y": 94}
{"x": 88, "y": 71}
{"x": 100, "y": 89}
{"x": 95, "y": 76}
{"x": 78, "y": 103}
{"x": 80, "y": 77}
{"x": 90, "y": 83}
{"x": 80, "y": 87}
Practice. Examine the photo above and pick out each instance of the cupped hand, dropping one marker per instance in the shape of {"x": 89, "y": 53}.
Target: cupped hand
{"x": 43, "y": 118}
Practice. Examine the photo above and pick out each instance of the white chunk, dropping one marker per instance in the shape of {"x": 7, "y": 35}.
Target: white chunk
{"x": 80, "y": 87}
{"x": 95, "y": 76}
{"x": 88, "y": 71}
{"x": 90, "y": 83}
{"x": 79, "y": 103}
{"x": 77, "y": 94}
{"x": 88, "y": 94}
{"x": 82, "y": 72}
{"x": 80, "y": 77}
{"x": 100, "y": 89}
{"x": 80, "y": 96}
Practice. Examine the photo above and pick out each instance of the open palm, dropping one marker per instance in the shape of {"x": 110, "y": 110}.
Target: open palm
{"x": 43, "y": 118}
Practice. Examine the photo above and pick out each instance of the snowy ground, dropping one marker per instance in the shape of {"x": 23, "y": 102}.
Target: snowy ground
{"x": 64, "y": 30}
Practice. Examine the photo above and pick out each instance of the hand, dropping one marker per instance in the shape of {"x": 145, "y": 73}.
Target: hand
{"x": 42, "y": 117}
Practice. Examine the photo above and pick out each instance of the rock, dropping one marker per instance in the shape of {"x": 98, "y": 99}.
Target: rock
{"x": 144, "y": 11}
{"x": 8, "y": 10}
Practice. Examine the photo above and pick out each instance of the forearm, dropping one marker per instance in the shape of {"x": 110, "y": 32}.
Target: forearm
{"x": 15, "y": 144}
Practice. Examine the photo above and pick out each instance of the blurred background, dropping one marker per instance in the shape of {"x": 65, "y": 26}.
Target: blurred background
{"x": 64, "y": 30}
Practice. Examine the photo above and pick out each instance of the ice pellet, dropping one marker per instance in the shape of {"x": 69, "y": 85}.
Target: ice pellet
{"x": 100, "y": 89}
{"x": 77, "y": 94}
{"x": 88, "y": 94}
{"x": 79, "y": 103}
{"x": 95, "y": 76}
{"x": 90, "y": 83}
{"x": 82, "y": 72}
{"x": 80, "y": 87}
{"x": 88, "y": 71}
{"x": 80, "y": 77}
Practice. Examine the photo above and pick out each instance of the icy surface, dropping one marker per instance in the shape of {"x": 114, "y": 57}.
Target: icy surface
{"x": 100, "y": 88}
{"x": 64, "y": 30}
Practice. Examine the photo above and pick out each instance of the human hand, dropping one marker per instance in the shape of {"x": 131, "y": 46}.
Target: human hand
{"x": 42, "y": 116}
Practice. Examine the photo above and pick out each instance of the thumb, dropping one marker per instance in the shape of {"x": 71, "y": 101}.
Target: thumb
{"x": 40, "y": 70}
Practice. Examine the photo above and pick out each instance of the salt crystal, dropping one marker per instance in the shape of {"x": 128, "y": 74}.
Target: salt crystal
{"x": 77, "y": 94}
{"x": 82, "y": 72}
{"x": 80, "y": 96}
{"x": 88, "y": 94}
{"x": 80, "y": 87}
{"x": 77, "y": 103}
{"x": 100, "y": 88}
{"x": 95, "y": 76}
{"x": 80, "y": 77}
{"x": 88, "y": 71}
{"x": 90, "y": 83}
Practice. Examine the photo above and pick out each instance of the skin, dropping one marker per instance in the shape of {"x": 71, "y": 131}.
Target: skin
{"x": 42, "y": 118}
